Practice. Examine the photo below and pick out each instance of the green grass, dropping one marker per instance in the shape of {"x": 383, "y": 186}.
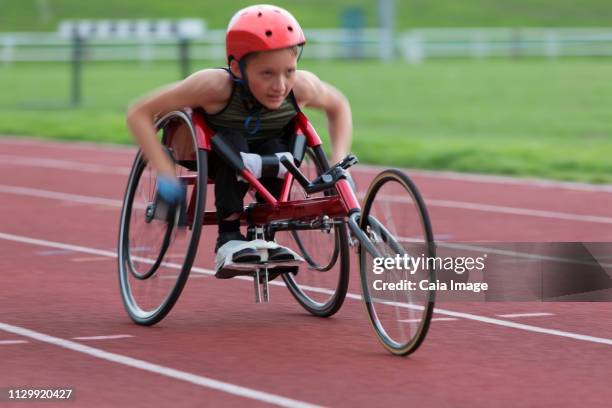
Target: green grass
{"x": 528, "y": 117}
{"x": 32, "y": 15}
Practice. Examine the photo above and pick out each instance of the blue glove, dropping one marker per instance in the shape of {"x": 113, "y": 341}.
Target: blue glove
{"x": 170, "y": 199}
{"x": 170, "y": 190}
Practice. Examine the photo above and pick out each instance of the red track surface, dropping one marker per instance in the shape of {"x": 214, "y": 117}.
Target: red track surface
{"x": 260, "y": 354}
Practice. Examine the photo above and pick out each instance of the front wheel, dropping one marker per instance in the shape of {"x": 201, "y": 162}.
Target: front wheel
{"x": 396, "y": 293}
{"x": 155, "y": 255}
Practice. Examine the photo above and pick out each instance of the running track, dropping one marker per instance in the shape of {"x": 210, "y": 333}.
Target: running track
{"x": 59, "y": 211}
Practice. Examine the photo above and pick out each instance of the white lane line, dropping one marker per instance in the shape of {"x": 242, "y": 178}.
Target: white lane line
{"x": 529, "y": 257}
{"x": 59, "y": 245}
{"x": 503, "y": 209}
{"x": 504, "y": 323}
{"x": 518, "y": 211}
{"x": 90, "y": 259}
{"x": 433, "y": 319}
{"x": 158, "y": 369}
{"x": 2, "y": 342}
{"x": 489, "y": 179}
{"x": 88, "y": 250}
{"x": 362, "y": 168}
{"x": 54, "y": 195}
{"x": 56, "y": 164}
{"x": 112, "y": 337}
{"x": 525, "y": 315}
{"x": 64, "y": 144}
{"x": 175, "y": 277}
{"x": 52, "y": 252}
{"x": 515, "y": 254}
{"x": 484, "y": 319}
{"x": 526, "y": 327}
{"x": 460, "y": 315}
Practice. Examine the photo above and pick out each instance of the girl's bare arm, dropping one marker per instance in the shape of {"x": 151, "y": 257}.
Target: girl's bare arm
{"x": 310, "y": 91}
{"x": 204, "y": 88}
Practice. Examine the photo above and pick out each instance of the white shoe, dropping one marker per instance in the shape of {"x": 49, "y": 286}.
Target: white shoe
{"x": 238, "y": 257}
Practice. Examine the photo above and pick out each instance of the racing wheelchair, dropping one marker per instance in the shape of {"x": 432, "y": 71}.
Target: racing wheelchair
{"x": 317, "y": 214}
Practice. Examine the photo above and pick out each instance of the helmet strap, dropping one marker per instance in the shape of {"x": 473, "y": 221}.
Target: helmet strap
{"x": 253, "y": 105}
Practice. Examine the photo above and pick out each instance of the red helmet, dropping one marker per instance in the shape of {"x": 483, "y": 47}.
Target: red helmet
{"x": 261, "y": 28}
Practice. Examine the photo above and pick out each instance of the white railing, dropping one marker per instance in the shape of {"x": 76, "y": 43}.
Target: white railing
{"x": 413, "y": 46}
{"x": 419, "y": 44}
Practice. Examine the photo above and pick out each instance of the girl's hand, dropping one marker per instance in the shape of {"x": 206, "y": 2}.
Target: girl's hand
{"x": 170, "y": 189}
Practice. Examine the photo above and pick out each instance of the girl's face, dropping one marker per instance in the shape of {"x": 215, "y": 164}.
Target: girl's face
{"x": 271, "y": 75}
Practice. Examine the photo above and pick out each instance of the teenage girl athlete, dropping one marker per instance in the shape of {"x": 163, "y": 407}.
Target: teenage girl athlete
{"x": 251, "y": 105}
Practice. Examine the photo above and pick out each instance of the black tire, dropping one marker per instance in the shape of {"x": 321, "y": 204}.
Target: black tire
{"x": 395, "y": 218}
{"x": 165, "y": 279}
{"x": 321, "y": 284}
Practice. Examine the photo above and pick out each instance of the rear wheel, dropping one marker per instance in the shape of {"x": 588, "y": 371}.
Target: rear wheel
{"x": 396, "y": 221}
{"x": 155, "y": 255}
{"x": 321, "y": 283}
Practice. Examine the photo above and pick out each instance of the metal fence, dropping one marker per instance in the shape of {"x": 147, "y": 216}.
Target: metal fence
{"x": 420, "y": 44}
{"x": 413, "y": 46}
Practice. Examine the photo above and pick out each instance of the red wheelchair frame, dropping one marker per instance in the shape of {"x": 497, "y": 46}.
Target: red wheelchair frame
{"x": 343, "y": 204}
{"x": 338, "y": 206}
